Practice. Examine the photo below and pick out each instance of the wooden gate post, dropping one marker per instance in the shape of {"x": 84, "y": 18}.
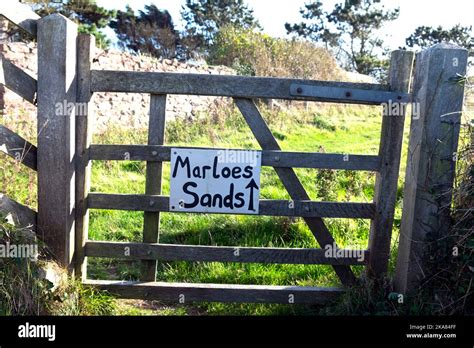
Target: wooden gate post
{"x": 84, "y": 114}
{"x": 56, "y": 134}
{"x": 386, "y": 181}
{"x": 438, "y": 100}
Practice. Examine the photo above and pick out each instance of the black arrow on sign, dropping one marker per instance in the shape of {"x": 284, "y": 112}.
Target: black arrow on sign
{"x": 251, "y": 185}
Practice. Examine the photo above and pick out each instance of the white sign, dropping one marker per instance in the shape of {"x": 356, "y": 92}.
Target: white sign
{"x": 215, "y": 181}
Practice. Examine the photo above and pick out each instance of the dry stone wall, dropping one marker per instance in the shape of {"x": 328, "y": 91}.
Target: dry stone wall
{"x": 126, "y": 109}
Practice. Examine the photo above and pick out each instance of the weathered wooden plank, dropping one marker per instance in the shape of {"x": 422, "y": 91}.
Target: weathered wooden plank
{"x": 85, "y": 53}
{"x": 154, "y": 171}
{"x": 20, "y": 15}
{"x": 290, "y": 180}
{"x": 187, "y": 293}
{"x": 269, "y": 157}
{"x": 386, "y": 182}
{"x": 431, "y": 160}
{"x": 318, "y": 209}
{"x": 19, "y": 214}
{"x": 15, "y": 146}
{"x": 303, "y": 208}
{"x": 231, "y": 86}
{"x": 172, "y": 252}
{"x": 56, "y": 135}
{"x": 17, "y": 80}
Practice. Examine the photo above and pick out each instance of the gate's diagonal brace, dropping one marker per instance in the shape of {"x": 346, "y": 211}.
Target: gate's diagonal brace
{"x": 290, "y": 180}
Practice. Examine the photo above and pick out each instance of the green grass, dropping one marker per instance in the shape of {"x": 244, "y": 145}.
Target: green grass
{"x": 332, "y": 129}
{"x": 25, "y": 288}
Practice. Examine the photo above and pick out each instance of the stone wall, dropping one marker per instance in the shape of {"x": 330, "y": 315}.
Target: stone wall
{"x": 120, "y": 109}
{"x": 128, "y": 109}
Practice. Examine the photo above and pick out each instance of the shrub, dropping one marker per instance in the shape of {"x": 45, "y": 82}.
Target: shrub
{"x": 254, "y": 53}
{"x": 321, "y": 123}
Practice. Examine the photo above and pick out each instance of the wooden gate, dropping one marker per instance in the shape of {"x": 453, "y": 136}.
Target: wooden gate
{"x": 244, "y": 91}
{"x": 65, "y": 153}
{"x": 12, "y": 144}
{"x": 63, "y": 156}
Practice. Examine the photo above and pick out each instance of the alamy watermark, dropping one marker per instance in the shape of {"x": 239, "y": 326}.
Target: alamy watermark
{"x": 332, "y": 251}
{"x": 394, "y": 108}
{"x": 23, "y": 251}
{"x": 66, "y": 108}
{"x": 238, "y": 156}
{"x": 28, "y": 330}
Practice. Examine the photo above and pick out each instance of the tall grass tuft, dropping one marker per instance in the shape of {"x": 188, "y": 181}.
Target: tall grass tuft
{"x": 37, "y": 286}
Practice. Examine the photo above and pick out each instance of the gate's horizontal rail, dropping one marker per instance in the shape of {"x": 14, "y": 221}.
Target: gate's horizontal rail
{"x": 152, "y": 203}
{"x": 22, "y": 215}
{"x": 21, "y": 15}
{"x": 243, "y": 87}
{"x": 15, "y": 146}
{"x": 204, "y": 253}
{"x": 152, "y": 153}
{"x": 17, "y": 80}
{"x": 186, "y": 292}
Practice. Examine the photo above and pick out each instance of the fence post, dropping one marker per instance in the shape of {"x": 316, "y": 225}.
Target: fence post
{"x": 56, "y": 134}
{"x": 385, "y": 195}
{"x": 154, "y": 173}
{"x": 85, "y": 53}
{"x": 436, "y": 115}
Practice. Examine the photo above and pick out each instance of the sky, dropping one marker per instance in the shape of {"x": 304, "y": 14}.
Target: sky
{"x": 273, "y": 14}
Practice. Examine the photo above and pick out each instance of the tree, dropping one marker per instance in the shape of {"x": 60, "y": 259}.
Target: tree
{"x": 204, "y": 18}
{"x": 151, "y": 32}
{"x": 425, "y": 36}
{"x": 86, "y": 13}
{"x": 350, "y": 31}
